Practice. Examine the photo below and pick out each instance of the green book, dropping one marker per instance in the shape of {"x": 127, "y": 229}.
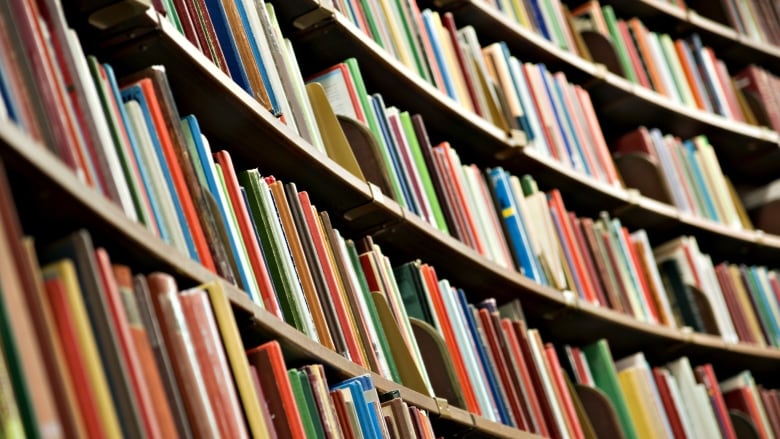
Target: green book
{"x": 15, "y": 373}
{"x": 10, "y": 418}
{"x": 277, "y": 256}
{"x": 414, "y": 293}
{"x": 618, "y": 43}
{"x": 373, "y": 125}
{"x": 311, "y": 404}
{"x": 406, "y": 15}
{"x": 422, "y": 169}
{"x": 307, "y": 417}
{"x": 604, "y": 374}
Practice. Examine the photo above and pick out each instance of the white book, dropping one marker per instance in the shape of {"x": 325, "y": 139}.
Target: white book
{"x": 539, "y": 358}
{"x": 536, "y": 139}
{"x": 677, "y": 401}
{"x": 468, "y": 349}
{"x": 163, "y": 193}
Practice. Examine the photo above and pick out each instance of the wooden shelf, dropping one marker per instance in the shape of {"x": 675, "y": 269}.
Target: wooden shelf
{"x": 748, "y": 153}
{"x": 736, "y": 49}
{"x": 256, "y": 138}
{"x": 44, "y": 183}
{"x": 333, "y": 39}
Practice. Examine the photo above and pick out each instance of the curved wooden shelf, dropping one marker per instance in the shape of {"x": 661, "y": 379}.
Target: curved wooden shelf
{"x": 736, "y": 49}
{"x": 333, "y": 39}
{"x": 48, "y": 187}
{"x": 256, "y": 138}
{"x": 748, "y": 153}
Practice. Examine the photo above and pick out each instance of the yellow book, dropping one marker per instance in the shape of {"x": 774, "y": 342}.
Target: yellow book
{"x": 234, "y": 348}
{"x": 631, "y": 385}
{"x": 66, "y": 271}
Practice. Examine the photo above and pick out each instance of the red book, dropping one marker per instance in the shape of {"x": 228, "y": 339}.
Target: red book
{"x": 548, "y": 425}
{"x": 705, "y": 374}
{"x": 177, "y": 175}
{"x": 636, "y": 267}
{"x": 345, "y": 318}
{"x": 74, "y": 357}
{"x": 276, "y": 387}
{"x": 670, "y": 408}
{"x": 636, "y": 62}
{"x": 343, "y": 71}
{"x": 562, "y": 389}
{"x": 162, "y": 408}
{"x": 432, "y": 284}
{"x": 449, "y": 23}
{"x": 127, "y": 345}
{"x": 217, "y": 375}
{"x": 494, "y": 350}
{"x": 443, "y": 167}
{"x": 600, "y": 145}
{"x": 568, "y": 239}
{"x": 533, "y": 411}
{"x": 590, "y": 268}
{"x": 248, "y": 234}
{"x": 741, "y": 399}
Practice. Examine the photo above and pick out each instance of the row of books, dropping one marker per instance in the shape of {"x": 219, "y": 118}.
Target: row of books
{"x": 192, "y": 200}
{"x": 674, "y": 399}
{"x": 738, "y": 302}
{"x": 756, "y": 19}
{"x": 684, "y": 70}
{"x": 689, "y": 175}
{"x": 92, "y": 350}
{"x": 245, "y": 41}
{"x": 555, "y": 116}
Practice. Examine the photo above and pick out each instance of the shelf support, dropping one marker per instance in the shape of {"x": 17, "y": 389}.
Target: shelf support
{"x": 117, "y": 13}
{"x": 314, "y": 18}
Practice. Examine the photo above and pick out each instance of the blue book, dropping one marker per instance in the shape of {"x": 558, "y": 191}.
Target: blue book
{"x": 427, "y": 16}
{"x": 761, "y": 300}
{"x": 367, "y": 424}
{"x": 258, "y": 58}
{"x": 522, "y": 121}
{"x": 706, "y": 78}
{"x": 210, "y": 172}
{"x": 8, "y": 99}
{"x": 229, "y": 49}
{"x": 135, "y": 93}
{"x": 378, "y": 106}
{"x": 482, "y": 361}
{"x": 372, "y": 401}
{"x": 698, "y": 175}
{"x": 536, "y": 10}
{"x": 551, "y": 88}
{"x": 518, "y": 236}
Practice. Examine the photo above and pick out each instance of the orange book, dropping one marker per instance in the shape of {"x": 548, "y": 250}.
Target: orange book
{"x": 600, "y": 145}
{"x": 184, "y": 196}
{"x": 145, "y": 353}
{"x": 432, "y": 285}
{"x": 346, "y": 321}
{"x": 269, "y": 362}
{"x": 640, "y": 274}
{"x": 640, "y": 36}
{"x": 556, "y": 204}
{"x": 633, "y": 55}
{"x": 210, "y": 354}
{"x": 690, "y": 74}
{"x": 248, "y": 233}
{"x": 127, "y": 346}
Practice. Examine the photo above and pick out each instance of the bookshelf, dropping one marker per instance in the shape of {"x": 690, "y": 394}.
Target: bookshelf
{"x": 201, "y": 88}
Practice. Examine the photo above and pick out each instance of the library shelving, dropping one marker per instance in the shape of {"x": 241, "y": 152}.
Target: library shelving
{"x": 42, "y": 184}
